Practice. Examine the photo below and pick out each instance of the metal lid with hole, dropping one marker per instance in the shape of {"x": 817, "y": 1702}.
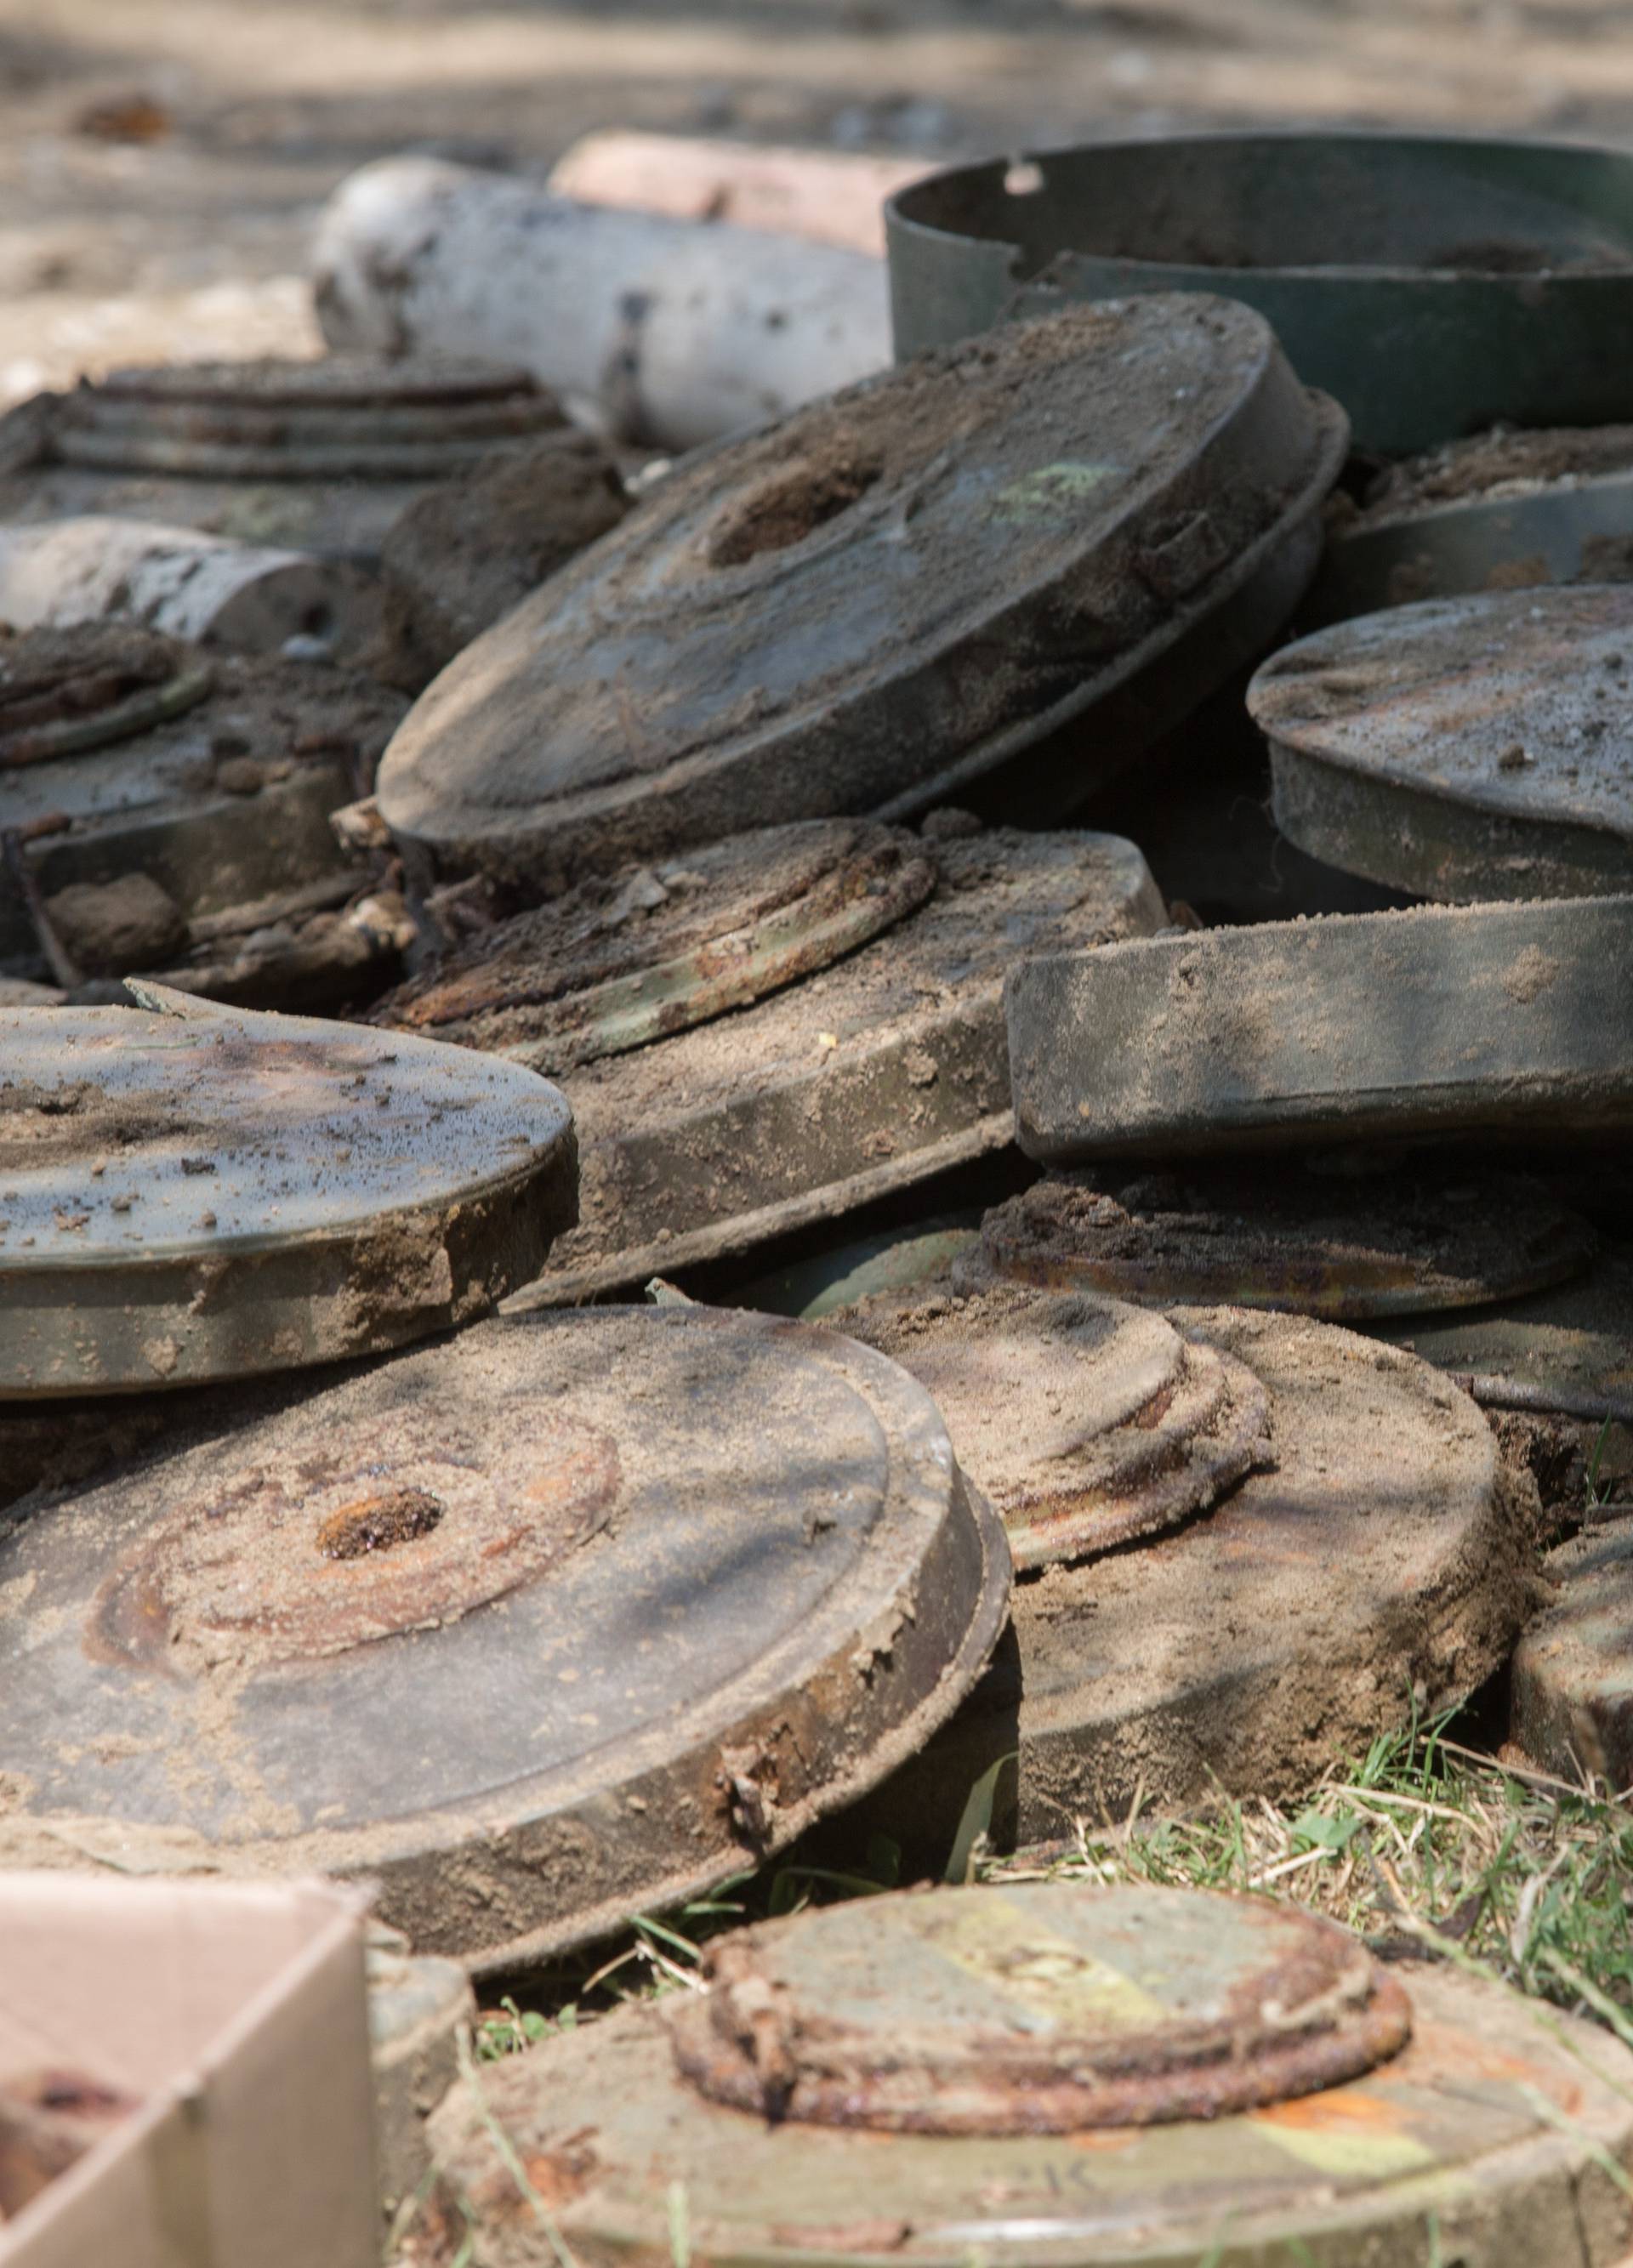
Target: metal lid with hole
{"x": 1464, "y": 748}
{"x": 547, "y": 1626}
{"x": 1571, "y": 1710}
{"x": 616, "y": 964}
{"x": 853, "y": 607}
{"x": 870, "y": 1075}
{"x": 1041, "y": 2009}
{"x": 1495, "y": 2114}
{"x": 199, "y": 1192}
{"x": 1372, "y": 1563}
{"x": 339, "y": 416}
{"x": 1086, "y": 1423}
{"x": 1391, "y": 1240}
{"x": 1433, "y": 1020}
{"x": 1570, "y": 1349}
{"x": 1506, "y": 510}
{"x": 1433, "y": 286}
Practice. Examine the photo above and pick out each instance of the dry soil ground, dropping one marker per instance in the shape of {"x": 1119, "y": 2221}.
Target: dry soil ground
{"x": 161, "y": 160}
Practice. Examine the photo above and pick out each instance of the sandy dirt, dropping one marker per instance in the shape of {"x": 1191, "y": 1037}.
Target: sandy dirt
{"x": 162, "y": 161}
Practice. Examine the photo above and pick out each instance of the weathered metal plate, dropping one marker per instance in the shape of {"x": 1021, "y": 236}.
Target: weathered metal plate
{"x": 1572, "y": 1692}
{"x": 348, "y": 416}
{"x": 1432, "y": 1020}
{"x": 1507, "y": 511}
{"x": 607, "y": 1607}
{"x": 1433, "y": 286}
{"x": 320, "y": 456}
{"x": 212, "y": 777}
{"x": 200, "y": 1192}
{"x": 859, "y": 604}
{"x": 620, "y": 962}
{"x": 1376, "y": 1565}
{"x": 1569, "y": 1349}
{"x": 1087, "y": 1423}
{"x": 870, "y": 1076}
{"x": 1496, "y": 2116}
{"x": 1464, "y": 748}
{"x": 1046, "y": 2008}
{"x": 1342, "y": 1245}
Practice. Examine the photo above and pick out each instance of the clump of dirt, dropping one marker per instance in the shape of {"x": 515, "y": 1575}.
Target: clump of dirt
{"x": 110, "y": 927}
{"x": 459, "y": 558}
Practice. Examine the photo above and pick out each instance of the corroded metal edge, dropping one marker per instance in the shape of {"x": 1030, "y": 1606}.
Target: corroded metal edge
{"x": 1162, "y": 677}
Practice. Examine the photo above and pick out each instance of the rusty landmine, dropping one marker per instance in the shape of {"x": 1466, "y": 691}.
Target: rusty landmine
{"x": 805, "y": 621}
{"x": 1086, "y": 1423}
{"x": 161, "y": 808}
{"x": 1494, "y": 2115}
{"x": 1464, "y": 748}
{"x": 342, "y": 416}
{"x": 199, "y": 1193}
{"x": 318, "y": 456}
{"x": 620, "y": 962}
{"x": 1435, "y": 1021}
{"x": 1333, "y": 1243}
{"x": 1572, "y": 1696}
{"x": 1569, "y": 1348}
{"x": 1377, "y": 1558}
{"x": 871, "y": 1075}
{"x": 697, "y": 1578}
{"x": 1041, "y": 2009}
{"x": 64, "y": 691}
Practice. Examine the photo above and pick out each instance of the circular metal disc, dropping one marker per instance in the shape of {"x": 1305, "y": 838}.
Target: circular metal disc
{"x": 868, "y": 1076}
{"x": 1432, "y": 1021}
{"x": 1464, "y": 748}
{"x": 1343, "y": 1247}
{"x": 205, "y": 1192}
{"x": 1045, "y": 2008}
{"x": 607, "y": 1606}
{"x": 1572, "y": 1704}
{"x": 1085, "y": 1422}
{"x": 283, "y": 419}
{"x": 1496, "y": 2116}
{"x": 620, "y": 963}
{"x": 1378, "y": 1558}
{"x": 826, "y": 616}
{"x": 1569, "y": 1349}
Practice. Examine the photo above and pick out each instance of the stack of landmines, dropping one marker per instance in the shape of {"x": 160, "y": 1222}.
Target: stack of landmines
{"x": 787, "y": 830}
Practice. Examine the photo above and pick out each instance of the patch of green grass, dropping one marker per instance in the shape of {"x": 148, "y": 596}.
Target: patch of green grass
{"x": 1420, "y": 1845}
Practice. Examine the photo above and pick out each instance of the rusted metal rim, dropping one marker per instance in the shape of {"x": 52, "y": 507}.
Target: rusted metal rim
{"x": 1046, "y": 2008}
{"x": 476, "y": 1554}
{"x": 264, "y": 421}
{"x": 1464, "y": 748}
{"x": 534, "y": 988}
{"x": 84, "y": 691}
{"x": 1162, "y": 678}
{"x": 1089, "y": 1424}
{"x": 371, "y": 382}
{"x": 1344, "y": 1250}
{"x": 205, "y": 1192}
